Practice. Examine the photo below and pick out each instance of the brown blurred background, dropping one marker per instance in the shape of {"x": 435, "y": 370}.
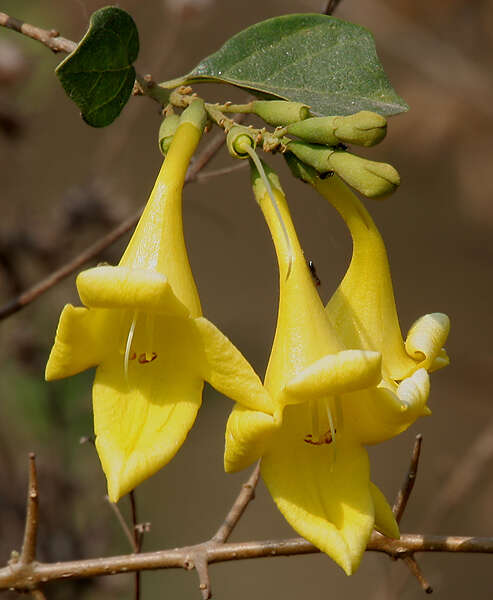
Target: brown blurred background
{"x": 64, "y": 184}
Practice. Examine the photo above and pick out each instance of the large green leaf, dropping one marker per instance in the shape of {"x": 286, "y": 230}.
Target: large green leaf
{"x": 98, "y": 75}
{"x": 329, "y": 64}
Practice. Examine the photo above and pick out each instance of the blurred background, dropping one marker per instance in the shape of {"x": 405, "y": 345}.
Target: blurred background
{"x": 64, "y": 184}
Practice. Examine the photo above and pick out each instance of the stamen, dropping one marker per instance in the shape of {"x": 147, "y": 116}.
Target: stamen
{"x": 258, "y": 163}
{"x": 315, "y": 421}
{"x": 128, "y": 346}
{"x": 150, "y": 355}
{"x": 332, "y": 432}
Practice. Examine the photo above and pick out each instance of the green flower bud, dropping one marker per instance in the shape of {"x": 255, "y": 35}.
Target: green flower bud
{"x": 167, "y": 131}
{"x": 195, "y": 114}
{"x": 312, "y": 154}
{"x": 364, "y": 128}
{"x": 237, "y": 137}
{"x": 280, "y": 112}
{"x": 372, "y": 179}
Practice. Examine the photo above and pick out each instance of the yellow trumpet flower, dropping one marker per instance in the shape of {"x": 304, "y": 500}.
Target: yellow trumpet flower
{"x": 331, "y": 376}
{"x": 142, "y": 327}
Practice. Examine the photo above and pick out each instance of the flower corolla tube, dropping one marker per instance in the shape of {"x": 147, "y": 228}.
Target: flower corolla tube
{"x": 142, "y": 326}
{"x": 341, "y": 377}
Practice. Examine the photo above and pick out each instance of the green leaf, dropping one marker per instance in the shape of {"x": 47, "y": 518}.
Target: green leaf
{"x": 319, "y": 60}
{"x": 98, "y": 75}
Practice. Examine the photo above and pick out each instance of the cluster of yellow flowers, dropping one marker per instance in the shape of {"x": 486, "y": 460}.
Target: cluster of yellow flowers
{"x": 339, "y": 377}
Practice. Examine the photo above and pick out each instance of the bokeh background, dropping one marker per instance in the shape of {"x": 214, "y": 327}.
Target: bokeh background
{"x": 63, "y": 185}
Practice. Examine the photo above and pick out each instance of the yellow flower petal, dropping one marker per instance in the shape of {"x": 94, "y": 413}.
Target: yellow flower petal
{"x": 363, "y": 308}
{"x": 248, "y": 432}
{"x": 77, "y": 344}
{"x": 335, "y": 374}
{"x": 142, "y": 419}
{"x": 384, "y": 517}
{"x": 378, "y": 414}
{"x": 323, "y": 493}
{"x": 122, "y": 287}
{"x": 229, "y": 372}
{"x": 426, "y": 338}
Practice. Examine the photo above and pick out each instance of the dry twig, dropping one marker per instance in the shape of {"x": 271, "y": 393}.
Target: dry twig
{"x": 399, "y": 507}
{"x": 20, "y": 576}
{"x": 28, "y": 552}
{"x": 407, "y": 487}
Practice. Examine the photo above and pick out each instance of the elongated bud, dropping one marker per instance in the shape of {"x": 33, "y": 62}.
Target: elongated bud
{"x": 280, "y": 112}
{"x": 364, "y": 128}
{"x": 372, "y": 179}
{"x": 195, "y": 114}
{"x": 312, "y": 154}
{"x": 237, "y": 137}
{"x": 167, "y": 131}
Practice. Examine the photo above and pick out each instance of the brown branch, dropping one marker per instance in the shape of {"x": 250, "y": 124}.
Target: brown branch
{"x": 408, "y": 484}
{"x": 137, "y": 539}
{"x": 400, "y": 506}
{"x": 330, "y": 7}
{"x": 209, "y": 174}
{"x": 51, "y": 38}
{"x": 415, "y": 569}
{"x": 121, "y": 520}
{"x": 246, "y": 495}
{"x": 28, "y": 552}
{"x": 14, "y": 577}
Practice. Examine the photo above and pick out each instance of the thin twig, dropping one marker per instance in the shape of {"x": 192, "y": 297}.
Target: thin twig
{"x": 51, "y": 39}
{"x": 415, "y": 569}
{"x": 330, "y": 7}
{"x": 137, "y": 536}
{"x": 205, "y": 175}
{"x": 126, "y": 529}
{"x": 28, "y": 552}
{"x": 37, "y": 594}
{"x": 408, "y": 484}
{"x": 246, "y": 495}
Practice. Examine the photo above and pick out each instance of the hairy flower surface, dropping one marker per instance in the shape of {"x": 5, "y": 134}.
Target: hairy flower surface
{"x": 142, "y": 327}
{"x": 332, "y": 377}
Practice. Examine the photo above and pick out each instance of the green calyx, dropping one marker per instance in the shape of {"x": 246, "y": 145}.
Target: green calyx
{"x": 167, "y": 131}
{"x": 279, "y": 112}
{"x": 195, "y": 114}
{"x": 364, "y": 128}
{"x": 238, "y": 139}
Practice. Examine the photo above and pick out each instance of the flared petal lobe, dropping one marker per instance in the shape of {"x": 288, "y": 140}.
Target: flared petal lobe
{"x": 78, "y": 344}
{"x": 141, "y": 418}
{"x": 322, "y": 491}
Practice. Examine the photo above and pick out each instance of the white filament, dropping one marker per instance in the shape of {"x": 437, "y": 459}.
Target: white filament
{"x": 332, "y": 432}
{"x": 129, "y": 346}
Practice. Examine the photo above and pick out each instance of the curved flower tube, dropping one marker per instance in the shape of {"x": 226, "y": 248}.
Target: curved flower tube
{"x": 142, "y": 327}
{"x": 312, "y": 447}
